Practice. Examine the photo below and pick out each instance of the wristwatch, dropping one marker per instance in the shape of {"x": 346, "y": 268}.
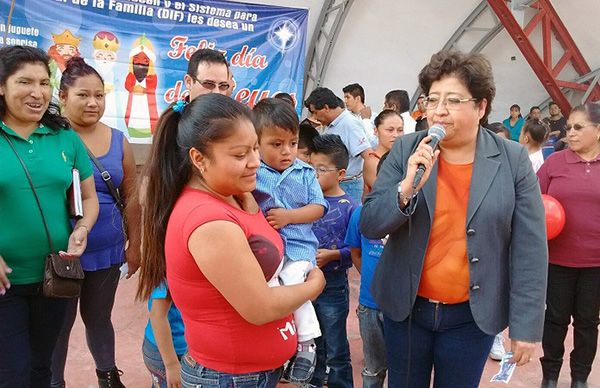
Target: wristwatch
{"x": 402, "y": 198}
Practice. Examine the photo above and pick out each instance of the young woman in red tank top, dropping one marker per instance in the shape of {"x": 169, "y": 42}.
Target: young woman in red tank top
{"x": 389, "y": 125}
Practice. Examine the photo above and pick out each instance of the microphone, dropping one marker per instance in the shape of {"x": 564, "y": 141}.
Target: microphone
{"x": 437, "y": 133}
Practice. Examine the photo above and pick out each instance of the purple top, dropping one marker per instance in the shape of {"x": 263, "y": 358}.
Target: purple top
{"x": 331, "y": 230}
{"x": 575, "y": 183}
{"x": 106, "y": 241}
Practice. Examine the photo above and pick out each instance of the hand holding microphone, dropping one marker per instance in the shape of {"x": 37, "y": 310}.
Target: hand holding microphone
{"x": 422, "y": 160}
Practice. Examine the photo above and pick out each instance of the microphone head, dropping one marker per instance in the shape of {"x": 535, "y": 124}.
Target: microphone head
{"x": 437, "y": 131}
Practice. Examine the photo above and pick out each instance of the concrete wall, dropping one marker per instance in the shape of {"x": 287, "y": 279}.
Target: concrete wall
{"x": 384, "y": 44}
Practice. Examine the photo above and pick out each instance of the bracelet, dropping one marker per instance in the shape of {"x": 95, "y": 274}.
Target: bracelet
{"x": 87, "y": 230}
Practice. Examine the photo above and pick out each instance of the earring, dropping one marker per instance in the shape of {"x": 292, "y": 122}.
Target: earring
{"x": 201, "y": 170}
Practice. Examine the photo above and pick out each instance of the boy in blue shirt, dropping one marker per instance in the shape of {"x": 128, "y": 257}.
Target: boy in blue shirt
{"x": 164, "y": 341}
{"x": 365, "y": 256}
{"x": 330, "y": 159}
{"x": 289, "y": 194}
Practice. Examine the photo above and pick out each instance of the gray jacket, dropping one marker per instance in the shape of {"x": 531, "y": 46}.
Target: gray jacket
{"x": 506, "y": 237}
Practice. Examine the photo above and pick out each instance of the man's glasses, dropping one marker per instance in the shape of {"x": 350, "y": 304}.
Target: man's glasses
{"x": 451, "y": 103}
{"x": 211, "y": 85}
{"x": 323, "y": 170}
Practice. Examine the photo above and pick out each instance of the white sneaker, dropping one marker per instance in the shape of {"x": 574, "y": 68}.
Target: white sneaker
{"x": 497, "y": 351}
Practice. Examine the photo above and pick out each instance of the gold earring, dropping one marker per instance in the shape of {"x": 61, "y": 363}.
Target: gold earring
{"x": 201, "y": 170}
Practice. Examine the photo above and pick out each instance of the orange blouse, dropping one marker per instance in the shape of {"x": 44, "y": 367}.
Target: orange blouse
{"x": 445, "y": 276}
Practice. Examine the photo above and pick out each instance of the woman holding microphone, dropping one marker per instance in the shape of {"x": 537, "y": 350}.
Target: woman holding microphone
{"x": 466, "y": 255}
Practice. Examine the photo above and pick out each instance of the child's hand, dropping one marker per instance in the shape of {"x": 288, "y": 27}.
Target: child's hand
{"x": 278, "y": 218}
{"x": 173, "y": 375}
{"x": 325, "y": 256}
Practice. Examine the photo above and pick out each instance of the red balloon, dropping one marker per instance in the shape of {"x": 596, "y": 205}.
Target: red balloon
{"x": 555, "y": 216}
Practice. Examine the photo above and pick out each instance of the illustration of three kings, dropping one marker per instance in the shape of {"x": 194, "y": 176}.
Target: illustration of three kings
{"x": 141, "y": 113}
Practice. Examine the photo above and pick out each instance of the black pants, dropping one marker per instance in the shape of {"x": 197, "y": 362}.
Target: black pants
{"x": 29, "y": 327}
{"x": 572, "y": 292}
{"x": 95, "y": 304}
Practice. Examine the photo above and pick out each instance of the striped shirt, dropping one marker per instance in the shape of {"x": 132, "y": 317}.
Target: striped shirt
{"x": 293, "y": 188}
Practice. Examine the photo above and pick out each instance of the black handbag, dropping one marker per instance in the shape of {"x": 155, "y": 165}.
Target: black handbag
{"x": 62, "y": 277}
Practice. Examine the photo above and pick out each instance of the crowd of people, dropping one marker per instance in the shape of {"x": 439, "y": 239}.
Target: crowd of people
{"x": 244, "y": 223}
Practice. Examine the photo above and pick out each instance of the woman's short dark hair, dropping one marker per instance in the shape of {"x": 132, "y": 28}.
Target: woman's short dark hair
{"x": 12, "y": 59}
{"x": 333, "y": 147}
{"x": 592, "y": 110}
{"x": 474, "y": 70}
{"x": 536, "y": 130}
{"x": 75, "y": 69}
{"x": 384, "y": 115}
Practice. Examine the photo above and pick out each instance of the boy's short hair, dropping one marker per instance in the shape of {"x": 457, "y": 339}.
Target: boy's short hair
{"x": 286, "y": 97}
{"x": 333, "y": 147}
{"x": 306, "y": 136}
{"x": 274, "y": 112}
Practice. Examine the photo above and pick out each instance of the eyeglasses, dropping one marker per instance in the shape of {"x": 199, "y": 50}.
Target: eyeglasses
{"x": 451, "y": 103}
{"x": 323, "y": 170}
{"x": 211, "y": 85}
{"x": 578, "y": 127}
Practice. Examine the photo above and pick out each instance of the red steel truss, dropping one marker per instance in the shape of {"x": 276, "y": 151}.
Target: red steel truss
{"x": 546, "y": 71}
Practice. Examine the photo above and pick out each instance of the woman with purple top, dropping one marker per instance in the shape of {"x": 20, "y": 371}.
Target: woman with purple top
{"x": 572, "y": 176}
{"x": 82, "y": 98}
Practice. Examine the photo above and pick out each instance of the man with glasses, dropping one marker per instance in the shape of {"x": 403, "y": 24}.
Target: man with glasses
{"x": 208, "y": 72}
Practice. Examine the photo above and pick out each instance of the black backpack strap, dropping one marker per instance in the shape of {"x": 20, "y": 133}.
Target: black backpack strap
{"x": 114, "y": 191}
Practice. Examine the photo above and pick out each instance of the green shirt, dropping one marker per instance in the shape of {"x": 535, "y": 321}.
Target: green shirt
{"x": 49, "y": 156}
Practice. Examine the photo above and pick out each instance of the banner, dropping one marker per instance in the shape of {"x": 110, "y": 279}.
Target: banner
{"x": 265, "y": 46}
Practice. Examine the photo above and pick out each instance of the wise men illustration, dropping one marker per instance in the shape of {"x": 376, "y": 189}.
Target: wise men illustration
{"x": 142, "y": 113}
{"x": 106, "y": 45}
{"x": 65, "y": 47}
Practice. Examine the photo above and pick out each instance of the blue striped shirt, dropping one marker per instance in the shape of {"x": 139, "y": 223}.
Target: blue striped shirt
{"x": 293, "y": 188}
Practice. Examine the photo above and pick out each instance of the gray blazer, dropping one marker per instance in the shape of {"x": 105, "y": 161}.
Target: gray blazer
{"x": 506, "y": 237}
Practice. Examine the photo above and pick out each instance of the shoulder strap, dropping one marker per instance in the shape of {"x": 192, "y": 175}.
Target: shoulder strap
{"x": 107, "y": 180}
{"x": 37, "y": 199}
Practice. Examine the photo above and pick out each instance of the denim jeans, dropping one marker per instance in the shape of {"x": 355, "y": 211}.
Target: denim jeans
{"x": 442, "y": 336}
{"x": 333, "y": 349}
{"x": 154, "y": 363}
{"x": 194, "y": 375}
{"x": 370, "y": 323}
{"x": 29, "y": 327}
{"x": 354, "y": 188}
{"x": 572, "y": 292}
{"x": 95, "y": 304}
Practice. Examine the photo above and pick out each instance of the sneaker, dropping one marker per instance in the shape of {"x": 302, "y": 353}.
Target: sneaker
{"x": 497, "y": 351}
{"x": 302, "y": 367}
